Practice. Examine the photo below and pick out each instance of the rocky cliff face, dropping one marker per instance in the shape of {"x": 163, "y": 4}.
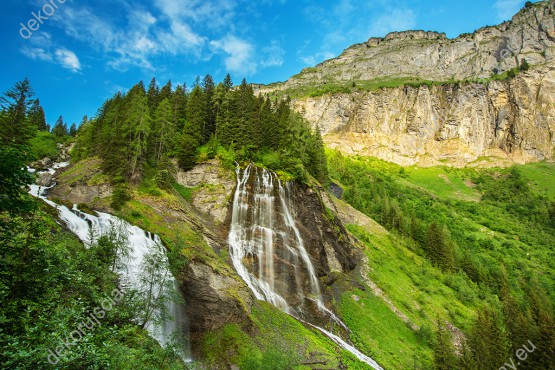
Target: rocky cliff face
{"x": 510, "y": 121}
{"x": 468, "y": 120}
{"x": 432, "y": 56}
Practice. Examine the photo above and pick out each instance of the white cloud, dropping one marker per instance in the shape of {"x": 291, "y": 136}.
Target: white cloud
{"x": 273, "y": 55}
{"x": 507, "y": 8}
{"x": 37, "y": 53}
{"x": 392, "y": 20}
{"x": 214, "y": 14}
{"x": 43, "y": 48}
{"x": 240, "y": 54}
{"x": 68, "y": 59}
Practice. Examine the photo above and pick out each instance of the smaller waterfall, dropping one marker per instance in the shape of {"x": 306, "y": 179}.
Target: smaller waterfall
{"x": 170, "y": 324}
{"x": 268, "y": 251}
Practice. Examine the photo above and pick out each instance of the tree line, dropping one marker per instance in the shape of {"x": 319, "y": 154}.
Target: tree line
{"x": 152, "y": 127}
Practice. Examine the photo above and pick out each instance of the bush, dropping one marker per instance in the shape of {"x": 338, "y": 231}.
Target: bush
{"x": 43, "y": 145}
{"x": 120, "y": 196}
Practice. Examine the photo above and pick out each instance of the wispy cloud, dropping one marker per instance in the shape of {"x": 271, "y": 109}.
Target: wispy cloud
{"x": 37, "y": 53}
{"x": 392, "y": 20}
{"x": 42, "y": 48}
{"x": 240, "y": 54}
{"x": 507, "y": 8}
{"x": 311, "y": 60}
{"x": 68, "y": 59}
{"x": 272, "y": 55}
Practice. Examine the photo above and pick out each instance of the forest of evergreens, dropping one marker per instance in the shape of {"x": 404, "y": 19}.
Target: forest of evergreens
{"x": 150, "y": 127}
{"x": 511, "y": 266}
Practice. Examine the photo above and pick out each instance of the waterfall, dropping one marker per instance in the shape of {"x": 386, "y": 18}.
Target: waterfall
{"x": 171, "y": 322}
{"x": 268, "y": 252}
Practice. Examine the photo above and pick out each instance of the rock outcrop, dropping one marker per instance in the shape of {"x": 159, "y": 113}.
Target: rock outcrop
{"x": 213, "y": 188}
{"x": 510, "y": 121}
{"x": 324, "y": 235}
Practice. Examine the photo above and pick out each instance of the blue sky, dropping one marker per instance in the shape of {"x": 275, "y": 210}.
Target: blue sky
{"x": 85, "y": 51}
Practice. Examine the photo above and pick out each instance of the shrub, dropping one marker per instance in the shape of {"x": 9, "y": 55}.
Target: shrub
{"x": 120, "y": 196}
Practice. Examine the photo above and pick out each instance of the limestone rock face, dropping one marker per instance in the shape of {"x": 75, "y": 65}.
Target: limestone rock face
{"x": 512, "y": 121}
{"x": 214, "y": 187}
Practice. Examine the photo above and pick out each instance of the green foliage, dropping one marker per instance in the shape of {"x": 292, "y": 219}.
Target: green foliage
{"x": 14, "y": 179}
{"x": 15, "y": 105}
{"x": 44, "y": 144}
{"x": 378, "y": 332}
{"x": 60, "y": 128}
{"x": 524, "y": 66}
{"x": 120, "y": 196}
{"x": 498, "y": 224}
{"x": 49, "y": 285}
{"x": 140, "y": 129}
{"x": 443, "y": 349}
{"x": 185, "y": 192}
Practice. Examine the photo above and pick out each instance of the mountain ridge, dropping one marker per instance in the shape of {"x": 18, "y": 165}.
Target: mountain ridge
{"x": 419, "y": 98}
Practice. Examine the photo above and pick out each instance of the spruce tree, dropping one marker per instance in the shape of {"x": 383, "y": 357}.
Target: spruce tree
{"x": 152, "y": 93}
{"x": 195, "y": 123}
{"x": 209, "y": 128}
{"x": 488, "y": 340}
{"x": 73, "y": 130}
{"x": 60, "y": 128}
{"x": 136, "y": 127}
{"x": 443, "y": 349}
{"x": 15, "y": 128}
{"x": 318, "y": 158}
{"x": 36, "y": 117}
{"x": 162, "y": 129}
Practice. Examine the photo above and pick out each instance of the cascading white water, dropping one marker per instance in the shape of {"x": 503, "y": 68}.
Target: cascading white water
{"x": 171, "y": 323}
{"x": 268, "y": 251}
{"x": 261, "y": 222}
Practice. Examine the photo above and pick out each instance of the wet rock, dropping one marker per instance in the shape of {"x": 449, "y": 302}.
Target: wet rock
{"x": 42, "y": 164}
{"x": 44, "y": 179}
{"x": 213, "y": 299}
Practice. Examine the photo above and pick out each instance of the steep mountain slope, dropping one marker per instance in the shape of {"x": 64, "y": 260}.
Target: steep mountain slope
{"x": 419, "y": 98}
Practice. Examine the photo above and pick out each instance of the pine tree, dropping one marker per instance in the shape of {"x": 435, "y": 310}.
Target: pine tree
{"x": 188, "y": 145}
{"x": 488, "y": 340}
{"x": 227, "y": 82}
{"x": 138, "y": 127}
{"x": 443, "y": 349}
{"x": 438, "y": 247}
{"x": 209, "y": 128}
{"x": 195, "y": 124}
{"x": 152, "y": 94}
{"x": 179, "y": 107}
{"x": 15, "y": 128}
{"x": 166, "y": 92}
{"x": 60, "y": 128}
{"x": 318, "y": 158}
{"x": 36, "y": 117}
{"x": 73, "y": 130}
{"x": 162, "y": 129}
